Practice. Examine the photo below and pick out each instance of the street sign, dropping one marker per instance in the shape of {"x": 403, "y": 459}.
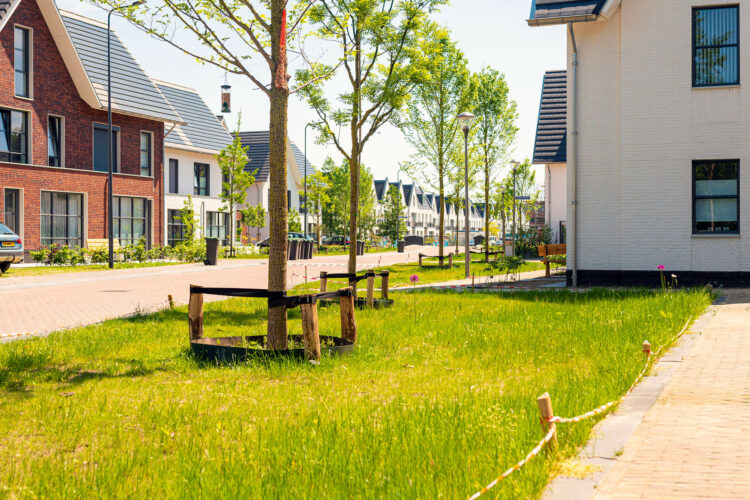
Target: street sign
{"x": 523, "y": 197}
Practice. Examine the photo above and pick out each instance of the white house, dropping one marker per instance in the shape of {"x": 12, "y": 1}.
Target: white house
{"x": 550, "y": 150}
{"x": 657, "y": 137}
{"x": 190, "y": 166}
{"x": 260, "y": 166}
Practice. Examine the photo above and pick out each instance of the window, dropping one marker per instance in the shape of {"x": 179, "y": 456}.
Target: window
{"x": 12, "y": 203}
{"x": 716, "y": 46}
{"x": 13, "y": 136}
{"x": 62, "y": 219}
{"x": 175, "y": 227}
{"x": 173, "y": 176}
{"x": 288, "y": 200}
{"x": 200, "y": 179}
{"x": 716, "y": 199}
{"x": 54, "y": 141}
{"x": 217, "y": 226}
{"x": 22, "y": 61}
{"x": 131, "y": 220}
{"x": 224, "y": 182}
{"x": 302, "y": 207}
{"x": 100, "y": 148}
{"x": 145, "y": 154}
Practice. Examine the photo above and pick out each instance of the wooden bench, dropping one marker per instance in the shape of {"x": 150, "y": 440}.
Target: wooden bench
{"x": 103, "y": 243}
{"x": 547, "y": 250}
{"x": 495, "y": 253}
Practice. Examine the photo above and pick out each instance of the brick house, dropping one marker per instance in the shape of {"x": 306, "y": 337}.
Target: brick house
{"x": 53, "y": 131}
{"x": 657, "y": 137}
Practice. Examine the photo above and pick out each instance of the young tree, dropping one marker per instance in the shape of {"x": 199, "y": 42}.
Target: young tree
{"x": 187, "y": 217}
{"x": 456, "y": 175}
{"x": 522, "y": 184}
{"x": 232, "y": 160}
{"x": 380, "y": 53}
{"x": 233, "y": 35}
{"x": 254, "y": 217}
{"x": 366, "y": 205}
{"x": 494, "y": 130}
{"x": 295, "y": 226}
{"x": 430, "y": 122}
{"x": 335, "y": 209}
{"x": 392, "y": 226}
{"x": 317, "y": 194}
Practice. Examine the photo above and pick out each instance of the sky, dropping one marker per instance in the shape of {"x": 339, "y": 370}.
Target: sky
{"x": 490, "y": 33}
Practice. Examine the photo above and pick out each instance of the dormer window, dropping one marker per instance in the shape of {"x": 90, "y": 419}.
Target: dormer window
{"x": 22, "y": 61}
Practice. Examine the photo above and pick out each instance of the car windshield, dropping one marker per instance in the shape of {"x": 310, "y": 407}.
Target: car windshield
{"x": 5, "y": 230}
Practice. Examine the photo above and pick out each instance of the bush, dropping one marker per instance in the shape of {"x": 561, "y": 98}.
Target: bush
{"x": 40, "y": 256}
{"x": 77, "y": 256}
{"x": 99, "y": 255}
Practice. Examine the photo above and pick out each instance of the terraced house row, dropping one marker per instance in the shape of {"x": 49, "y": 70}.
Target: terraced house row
{"x": 54, "y": 139}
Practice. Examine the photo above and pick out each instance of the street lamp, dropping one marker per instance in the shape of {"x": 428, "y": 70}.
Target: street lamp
{"x": 307, "y": 125}
{"x": 514, "y": 164}
{"x": 464, "y": 120}
{"x": 110, "y": 196}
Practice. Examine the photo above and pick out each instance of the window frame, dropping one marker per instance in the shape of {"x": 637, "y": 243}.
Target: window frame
{"x": 175, "y": 223}
{"x": 695, "y": 47}
{"x": 146, "y": 220}
{"x": 196, "y": 188}
{"x": 723, "y": 197}
{"x": 29, "y": 56}
{"x": 25, "y": 158}
{"x": 16, "y": 213}
{"x": 209, "y": 226}
{"x": 150, "y": 152}
{"x": 61, "y": 140}
{"x": 81, "y": 216}
{"x": 116, "y": 145}
{"x": 173, "y": 178}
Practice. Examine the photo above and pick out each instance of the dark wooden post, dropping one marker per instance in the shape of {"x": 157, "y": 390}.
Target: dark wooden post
{"x": 384, "y": 276}
{"x": 310, "y": 333}
{"x": 195, "y": 315}
{"x": 371, "y": 289}
{"x": 420, "y": 260}
{"x": 348, "y": 321}
{"x": 171, "y": 301}
{"x": 323, "y": 282}
{"x": 450, "y": 260}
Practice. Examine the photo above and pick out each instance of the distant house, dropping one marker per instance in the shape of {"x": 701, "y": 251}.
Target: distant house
{"x": 550, "y": 151}
{"x": 260, "y": 166}
{"x": 192, "y": 168}
{"x": 53, "y": 131}
{"x": 657, "y": 138}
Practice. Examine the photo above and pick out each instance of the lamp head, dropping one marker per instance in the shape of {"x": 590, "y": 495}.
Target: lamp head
{"x": 465, "y": 119}
{"x": 137, "y": 3}
{"x": 514, "y": 164}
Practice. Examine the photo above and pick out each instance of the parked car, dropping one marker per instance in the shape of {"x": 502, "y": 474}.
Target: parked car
{"x": 289, "y": 237}
{"x": 11, "y": 248}
{"x": 336, "y": 240}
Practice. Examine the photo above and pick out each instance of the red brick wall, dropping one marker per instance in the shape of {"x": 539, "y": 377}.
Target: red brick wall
{"x": 55, "y": 93}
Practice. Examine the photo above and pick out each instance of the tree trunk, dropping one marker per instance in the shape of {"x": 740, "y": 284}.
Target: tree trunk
{"x": 277, "y": 211}
{"x": 441, "y": 224}
{"x": 486, "y": 211}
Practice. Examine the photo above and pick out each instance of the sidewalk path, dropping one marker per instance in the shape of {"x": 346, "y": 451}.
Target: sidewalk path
{"x": 695, "y": 441}
{"x": 40, "y": 304}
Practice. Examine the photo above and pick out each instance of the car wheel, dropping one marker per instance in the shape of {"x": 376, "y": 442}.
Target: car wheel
{"x": 4, "y": 267}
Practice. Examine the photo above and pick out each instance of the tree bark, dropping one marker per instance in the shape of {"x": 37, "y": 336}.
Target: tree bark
{"x": 354, "y": 160}
{"x": 441, "y": 229}
{"x": 486, "y": 210}
{"x": 277, "y": 210}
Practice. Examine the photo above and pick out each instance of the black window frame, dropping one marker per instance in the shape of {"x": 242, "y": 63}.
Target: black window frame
{"x": 174, "y": 176}
{"x": 115, "y": 147}
{"x": 196, "y": 179}
{"x": 696, "y": 48}
{"x": 175, "y": 227}
{"x": 695, "y": 163}
{"x": 21, "y": 153}
{"x": 58, "y": 137}
{"x": 214, "y": 224}
{"x": 118, "y": 218}
{"x": 148, "y": 151}
{"x": 26, "y": 57}
{"x": 12, "y": 218}
{"x": 69, "y": 241}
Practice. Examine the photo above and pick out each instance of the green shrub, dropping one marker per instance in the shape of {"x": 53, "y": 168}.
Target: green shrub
{"x": 40, "y": 256}
{"x": 99, "y": 255}
{"x": 77, "y": 256}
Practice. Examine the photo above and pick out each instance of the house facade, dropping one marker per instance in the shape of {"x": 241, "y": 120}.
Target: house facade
{"x": 191, "y": 168}
{"x": 656, "y": 139}
{"x": 53, "y": 131}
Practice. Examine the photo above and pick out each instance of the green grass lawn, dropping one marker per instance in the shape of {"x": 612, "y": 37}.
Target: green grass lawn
{"x": 430, "y": 406}
{"x": 45, "y": 270}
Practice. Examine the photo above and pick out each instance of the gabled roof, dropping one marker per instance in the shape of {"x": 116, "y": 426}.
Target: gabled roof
{"x": 203, "y": 131}
{"x": 551, "y": 142}
{"x": 380, "y": 188}
{"x": 299, "y": 157}
{"x": 564, "y": 11}
{"x": 260, "y": 157}
{"x": 5, "y": 8}
{"x": 408, "y": 191}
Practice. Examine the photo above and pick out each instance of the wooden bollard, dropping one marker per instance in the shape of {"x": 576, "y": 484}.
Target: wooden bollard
{"x": 371, "y": 290}
{"x": 545, "y": 410}
{"x": 171, "y": 301}
{"x": 646, "y": 347}
{"x": 323, "y": 282}
{"x": 195, "y": 316}
{"x": 305, "y": 275}
{"x": 384, "y": 276}
{"x": 450, "y": 260}
{"x": 348, "y": 321}
{"x": 310, "y": 333}
{"x": 420, "y": 260}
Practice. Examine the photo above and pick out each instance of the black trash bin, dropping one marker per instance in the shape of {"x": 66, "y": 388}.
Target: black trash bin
{"x": 310, "y": 246}
{"x": 401, "y": 247}
{"x": 293, "y": 249}
{"x": 360, "y": 248}
{"x": 212, "y": 251}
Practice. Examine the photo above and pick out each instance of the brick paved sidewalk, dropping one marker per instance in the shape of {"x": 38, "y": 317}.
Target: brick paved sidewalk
{"x": 695, "y": 441}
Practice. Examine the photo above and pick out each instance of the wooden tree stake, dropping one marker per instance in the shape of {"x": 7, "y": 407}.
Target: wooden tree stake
{"x": 348, "y": 321}
{"x": 420, "y": 260}
{"x": 545, "y": 410}
{"x": 195, "y": 316}
{"x": 310, "y": 334}
{"x": 306, "y": 275}
{"x": 646, "y": 347}
{"x": 450, "y": 260}
{"x": 371, "y": 290}
{"x": 384, "y": 284}
{"x": 171, "y": 301}
{"x": 323, "y": 282}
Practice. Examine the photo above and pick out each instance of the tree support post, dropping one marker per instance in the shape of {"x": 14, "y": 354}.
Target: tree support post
{"x": 348, "y": 321}
{"x": 384, "y": 276}
{"x": 195, "y": 315}
{"x": 371, "y": 289}
{"x": 450, "y": 260}
{"x": 310, "y": 332}
{"x": 323, "y": 282}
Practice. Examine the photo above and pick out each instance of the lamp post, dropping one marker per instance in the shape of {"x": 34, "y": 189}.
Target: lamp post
{"x": 464, "y": 120}
{"x": 110, "y": 196}
{"x": 514, "y": 163}
{"x": 307, "y": 125}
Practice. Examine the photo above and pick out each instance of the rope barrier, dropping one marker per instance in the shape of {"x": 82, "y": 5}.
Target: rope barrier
{"x": 554, "y": 420}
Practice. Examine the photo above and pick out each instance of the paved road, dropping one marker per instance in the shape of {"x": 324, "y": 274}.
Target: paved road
{"x": 40, "y": 304}
{"x": 695, "y": 441}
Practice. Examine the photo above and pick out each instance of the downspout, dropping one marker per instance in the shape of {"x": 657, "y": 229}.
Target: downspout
{"x": 572, "y": 159}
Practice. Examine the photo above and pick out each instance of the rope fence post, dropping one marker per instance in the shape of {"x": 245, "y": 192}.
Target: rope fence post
{"x": 384, "y": 276}
{"x": 420, "y": 260}
{"x": 195, "y": 315}
{"x": 450, "y": 259}
{"x": 310, "y": 332}
{"x": 646, "y": 347}
{"x": 323, "y": 282}
{"x": 348, "y": 321}
{"x": 171, "y": 301}
{"x": 544, "y": 403}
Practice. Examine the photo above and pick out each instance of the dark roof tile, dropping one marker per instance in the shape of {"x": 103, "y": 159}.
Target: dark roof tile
{"x": 551, "y": 142}
{"x": 550, "y": 9}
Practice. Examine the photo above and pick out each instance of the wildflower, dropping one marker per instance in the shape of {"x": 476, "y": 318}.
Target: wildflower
{"x": 660, "y": 267}
{"x": 414, "y": 278}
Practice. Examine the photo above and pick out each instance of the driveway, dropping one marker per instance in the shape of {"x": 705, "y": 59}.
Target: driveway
{"x": 40, "y": 304}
